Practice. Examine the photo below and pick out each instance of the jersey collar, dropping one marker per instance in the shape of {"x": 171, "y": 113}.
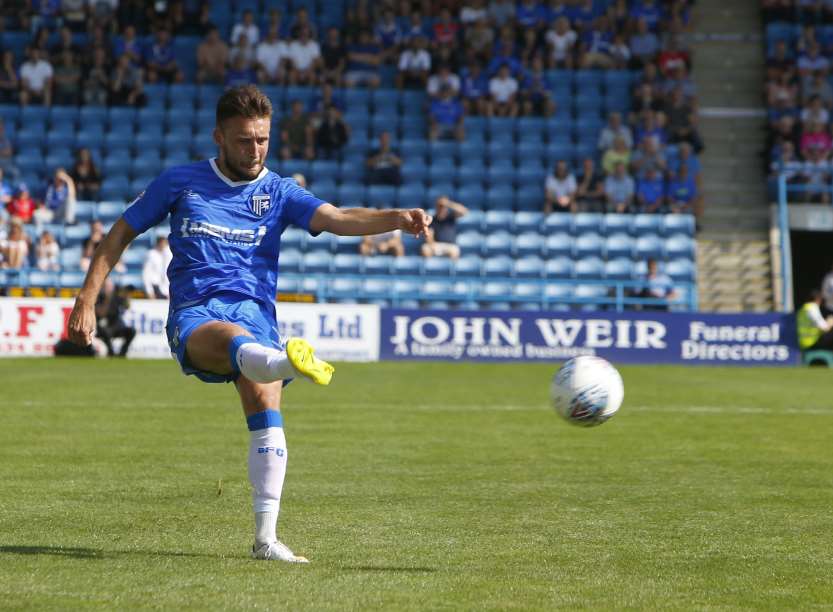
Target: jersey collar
{"x": 213, "y": 161}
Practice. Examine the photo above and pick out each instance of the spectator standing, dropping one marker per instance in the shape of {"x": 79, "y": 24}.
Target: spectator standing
{"x": 619, "y": 189}
{"x": 414, "y": 65}
{"x": 14, "y": 248}
{"x": 333, "y": 58}
{"x": 363, "y": 60}
{"x": 86, "y": 176}
{"x": 590, "y": 194}
{"x": 503, "y": 89}
{"x": 36, "y": 79}
{"x": 441, "y": 237}
{"x": 9, "y": 82}
{"x": 304, "y": 59}
{"x": 22, "y": 206}
{"x": 332, "y": 134}
{"x": 560, "y": 190}
{"x": 47, "y": 253}
{"x": 126, "y": 86}
{"x": 212, "y": 58}
{"x": 297, "y": 137}
{"x": 272, "y": 57}
{"x": 155, "y": 270}
{"x": 650, "y": 192}
{"x": 388, "y": 243}
{"x": 384, "y": 167}
{"x": 446, "y": 116}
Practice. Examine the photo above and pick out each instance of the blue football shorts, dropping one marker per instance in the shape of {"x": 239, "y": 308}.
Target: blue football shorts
{"x": 257, "y": 318}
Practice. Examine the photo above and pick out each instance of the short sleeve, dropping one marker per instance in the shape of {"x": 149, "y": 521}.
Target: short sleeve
{"x": 299, "y": 205}
{"x": 151, "y": 206}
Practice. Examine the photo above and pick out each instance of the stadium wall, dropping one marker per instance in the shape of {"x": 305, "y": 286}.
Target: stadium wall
{"x": 341, "y": 332}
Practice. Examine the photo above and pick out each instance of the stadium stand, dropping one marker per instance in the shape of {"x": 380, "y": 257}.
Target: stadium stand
{"x": 512, "y": 254}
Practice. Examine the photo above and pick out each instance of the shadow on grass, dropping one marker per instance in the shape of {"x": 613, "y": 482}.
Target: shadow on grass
{"x": 93, "y": 553}
{"x": 387, "y": 568}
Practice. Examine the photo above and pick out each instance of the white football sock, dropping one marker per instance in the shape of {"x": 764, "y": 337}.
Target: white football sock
{"x": 258, "y": 363}
{"x": 267, "y": 470}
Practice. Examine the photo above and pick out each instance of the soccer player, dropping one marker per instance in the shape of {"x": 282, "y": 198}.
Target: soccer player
{"x": 227, "y": 215}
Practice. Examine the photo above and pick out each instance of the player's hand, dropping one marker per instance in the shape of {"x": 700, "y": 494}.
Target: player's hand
{"x": 81, "y": 324}
{"x": 414, "y": 221}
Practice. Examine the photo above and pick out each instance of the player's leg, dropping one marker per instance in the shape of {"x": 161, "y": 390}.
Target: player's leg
{"x": 225, "y": 348}
{"x": 267, "y": 465}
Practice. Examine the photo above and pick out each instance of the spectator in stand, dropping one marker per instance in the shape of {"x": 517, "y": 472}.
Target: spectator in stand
{"x": 97, "y": 82}
{"x": 414, "y": 65}
{"x": 530, "y": 15}
{"x": 827, "y": 293}
{"x": 814, "y": 112}
{"x": 332, "y": 134}
{"x": 560, "y": 190}
{"x": 613, "y": 130}
{"x": 363, "y": 60}
{"x": 240, "y": 73}
{"x": 650, "y": 192}
{"x": 5, "y": 195}
{"x": 584, "y": 14}
{"x": 110, "y": 307}
{"x": 536, "y": 98}
{"x": 650, "y": 127}
{"x": 443, "y": 78}
{"x": 14, "y": 248}
{"x": 441, "y": 237}
{"x": 388, "y": 243}
{"x": 502, "y": 12}
{"x": 47, "y": 253}
{"x": 61, "y": 197}
{"x": 590, "y": 195}
{"x": 161, "y": 61}
{"x": 91, "y": 243}
{"x": 333, "y": 56}
{"x": 248, "y": 28}
{"x": 6, "y": 151}
{"x": 682, "y": 192}
{"x": 325, "y": 98}
{"x": 387, "y": 34}
{"x": 479, "y": 39}
{"x": 126, "y": 86}
{"x": 155, "y": 270}
{"x": 619, "y": 153}
{"x": 86, "y": 176}
{"x": 67, "y": 80}
{"x": 819, "y": 86}
{"x": 620, "y": 53}
{"x": 446, "y": 116}
{"x": 304, "y": 56}
{"x": 9, "y": 82}
{"x": 780, "y": 61}
{"x": 503, "y": 89}
{"x": 301, "y": 22}
{"x": 672, "y": 58}
{"x": 36, "y": 79}
{"x": 649, "y": 155}
{"x": 812, "y": 61}
{"x": 445, "y": 30}
{"x": 297, "y": 136}
{"x": 475, "y": 89}
{"x": 658, "y": 286}
{"x": 241, "y": 50}
{"x": 272, "y": 57}
{"x": 22, "y": 206}
{"x": 815, "y": 137}
{"x": 384, "y": 167}
{"x": 130, "y": 45}
{"x": 74, "y": 13}
{"x": 473, "y": 11}
{"x": 529, "y": 47}
{"x": 596, "y": 45}
{"x": 619, "y": 190}
{"x": 561, "y": 40}
{"x": 212, "y": 58}
{"x": 682, "y": 117}
{"x": 816, "y": 173}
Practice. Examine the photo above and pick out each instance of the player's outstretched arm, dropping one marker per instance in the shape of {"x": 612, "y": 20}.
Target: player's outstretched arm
{"x": 81, "y": 324}
{"x": 368, "y": 221}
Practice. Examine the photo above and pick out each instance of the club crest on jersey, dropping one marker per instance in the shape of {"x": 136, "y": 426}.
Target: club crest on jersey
{"x": 260, "y": 203}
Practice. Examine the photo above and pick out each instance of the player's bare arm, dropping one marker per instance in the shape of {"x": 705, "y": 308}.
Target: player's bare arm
{"x": 368, "y": 221}
{"x": 81, "y": 323}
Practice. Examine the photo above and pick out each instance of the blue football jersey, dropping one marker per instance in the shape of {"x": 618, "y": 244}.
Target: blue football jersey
{"x": 225, "y": 236}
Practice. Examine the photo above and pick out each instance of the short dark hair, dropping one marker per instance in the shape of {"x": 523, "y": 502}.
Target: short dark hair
{"x": 245, "y": 101}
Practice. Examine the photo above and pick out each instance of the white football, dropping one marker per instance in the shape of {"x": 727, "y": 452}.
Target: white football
{"x": 587, "y": 391}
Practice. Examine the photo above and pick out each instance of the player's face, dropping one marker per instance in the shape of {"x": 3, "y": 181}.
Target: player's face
{"x": 243, "y": 144}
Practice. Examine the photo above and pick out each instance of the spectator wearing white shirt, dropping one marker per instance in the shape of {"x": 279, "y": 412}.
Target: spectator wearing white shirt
{"x": 414, "y": 65}
{"x": 272, "y": 56}
{"x": 560, "y": 190}
{"x": 444, "y": 78}
{"x": 815, "y": 112}
{"x": 503, "y": 90}
{"x": 247, "y": 28}
{"x": 155, "y": 270}
{"x": 472, "y": 11}
{"x": 36, "y": 79}
{"x": 48, "y": 252}
{"x": 613, "y": 130}
{"x": 562, "y": 41}
{"x": 304, "y": 58}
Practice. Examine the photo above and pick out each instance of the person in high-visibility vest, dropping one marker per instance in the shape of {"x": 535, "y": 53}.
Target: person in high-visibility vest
{"x": 814, "y": 332}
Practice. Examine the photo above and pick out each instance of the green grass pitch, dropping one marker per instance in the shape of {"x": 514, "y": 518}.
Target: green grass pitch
{"x": 418, "y": 486}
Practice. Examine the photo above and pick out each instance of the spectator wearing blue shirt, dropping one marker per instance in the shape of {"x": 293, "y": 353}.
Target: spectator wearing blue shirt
{"x": 388, "y": 34}
{"x": 530, "y": 15}
{"x": 644, "y": 45}
{"x": 647, "y": 10}
{"x": 656, "y": 286}
{"x": 649, "y": 128}
{"x": 60, "y": 197}
{"x": 596, "y": 44}
{"x": 446, "y": 116}
{"x": 583, "y": 15}
{"x": 475, "y": 90}
{"x": 130, "y": 45}
{"x": 650, "y": 192}
{"x": 6, "y": 192}
{"x": 556, "y": 10}
{"x": 160, "y": 59}
{"x": 536, "y": 98}
{"x": 415, "y": 26}
{"x": 326, "y": 97}
{"x": 240, "y": 73}
{"x": 504, "y": 57}
{"x": 363, "y": 60}
{"x": 682, "y": 192}
{"x": 619, "y": 190}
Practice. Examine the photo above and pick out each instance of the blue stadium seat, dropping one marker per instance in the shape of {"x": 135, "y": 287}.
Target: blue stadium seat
{"x": 404, "y": 289}
{"x": 357, "y": 99}
{"x": 412, "y": 126}
{"x": 491, "y": 290}
{"x": 470, "y": 243}
{"x": 500, "y": 197}
{"x": 589, "y": 268}
{"x": 500, "y": 174}
{"x": 438, "y": 266}
{"x": 437, "y": 290}
{"x": 378, "y": 265}
{"x": 71, "y": 278}
{"x": 440, "y": 189}
{"x": 681, "y": 270}
{"x": 588, "y": 222}
{"x": 407, "y": 265}
{"x": 134, "y": 258}
{"x": 441, "y": 173}
{"x": 385, "y": 100}
{"x": 558, "y": 243}
{"x": 473, "y": 196}
{"x": 70, "y": 258}
{"x": 413, "y": 149}
{"x": 108, "y": 212}
{"x": 30, "y": 137}
{"x": 500, "y": 151}
{"x": 498, "y": 220}
{"x": 74, "y": 235}
{"x": 678, "y": 224}
{"x": 529, "y": 266}
{"x": 679, "y": 245}
{"x": 346, "y": 263}
{"x": 529, "y": 243}
{"x": 30, "y": 162}
{"x": 182, "y": 95}
{"x": 559, "y": 267}
{"x": 618, "y": 269}
{"x": 471, "y": 152}
{"x": 293, "y": 238}
{"x": 649, "y": 247}
{"x": 316, "y": 262}
{"x": 619, "y": 245}
{"x": 289, "y": 167}
{"x": 411, "y": 195}
{"x": 341, "y": 288}
{"x": 617, "y": 223}
{"x": 647, "y": 224}
{"x": 63, "y": 117}
{"x": 473, "y": 221}
{"x": 326, "y": 189}
{"x": 498, "y": 243}
{"x": 156, "y": 94}
{"x": 323, "y": 168}
{"x": 121, "y": 116}
{"x": 203, "y": 146}
{"x": 381, "y": 196}
{"x": 84, "y": 211}
{"x": 351, "y": 194}
{"x": 146, "y": 165}
{"x": 530, "y": 197}
{"x": 58, "y": 158}
{"x": 528, "y": 221}
{"x": 468, "y": 266}
{"x": 590, "y": 295}
{"x": 348, "y": 244}
{"x": 589, "y": 244}
{"x": 527, "y": 292}
{"x": 34, "y": 116}
{"x": 287, "y": 284}
{"x": 324, "y": 242}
